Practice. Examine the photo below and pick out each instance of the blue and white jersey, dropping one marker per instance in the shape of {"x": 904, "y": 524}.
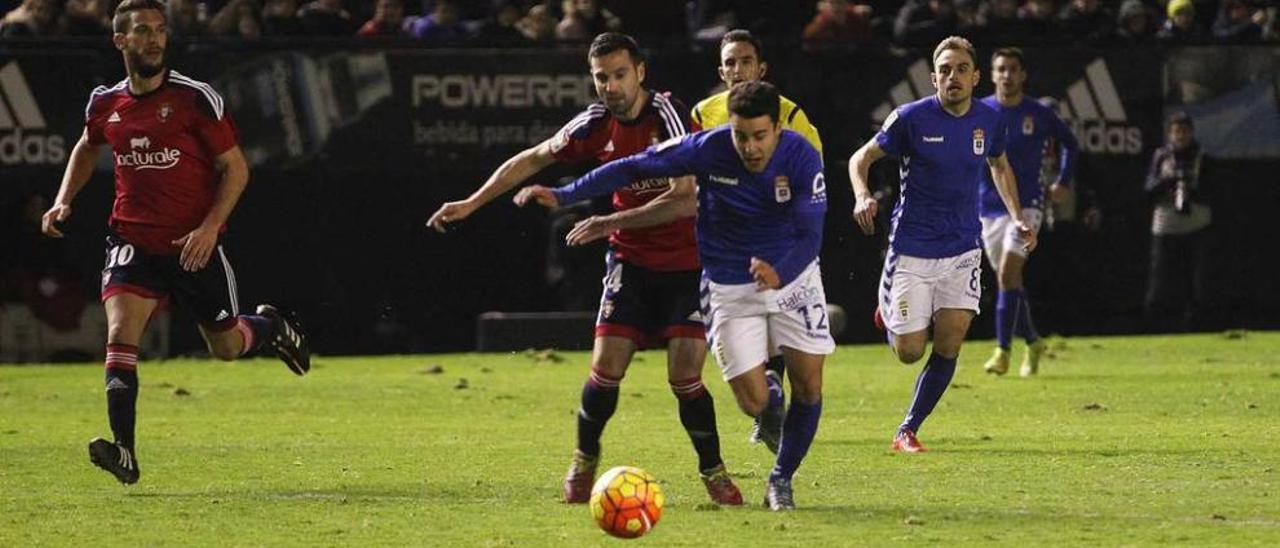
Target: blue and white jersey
{"x": 941, "y": 156}
{"x": 1033, "y": 127}
{"x": 775, "y": 215}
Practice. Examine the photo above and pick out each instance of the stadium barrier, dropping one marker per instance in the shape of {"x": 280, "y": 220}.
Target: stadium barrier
{"x": 352, "y": 149}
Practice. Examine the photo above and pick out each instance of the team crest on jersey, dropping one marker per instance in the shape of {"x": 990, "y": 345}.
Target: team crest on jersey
{"x": 979, "y": 142}
{"x": 1028, "y": 125}
{"x": 782, "y": 189}
{"x": 165, "y": 110}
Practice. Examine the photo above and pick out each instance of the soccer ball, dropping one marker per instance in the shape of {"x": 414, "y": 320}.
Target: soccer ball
{"x": 626, "y": 502}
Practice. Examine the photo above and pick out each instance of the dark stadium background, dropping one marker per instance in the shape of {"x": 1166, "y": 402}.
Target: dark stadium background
{"x": 355, "y": 141}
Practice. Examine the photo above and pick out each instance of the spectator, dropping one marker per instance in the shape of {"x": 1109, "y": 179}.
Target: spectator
{"x": 969, "y": 20}
{"x": 584, "y": 19}
{"x": 1179, "y": 218}
{"x": 280, "y": 18}
{"x": 326, "y": 18}
{"x": 1181, "y": 28}
{"x": 1001, "y": 24}
{"x": 839, "y": 22}
{"x": 924, "y": 22}
{"x": 1135, "y": 25}
{"x": 1087, "y": 21}
{"x": 387, "y": 19}
{"x": 442, "y": 26}
{"x": 1239, "y": 22}
{"x": 1039, "y": 20}
{"x": 231, "y": 20}
{"x": 184, "y": 19}
{"x": 538, "y": 25}
{"x": 32, "y": 18}
{"x": 38, "y": 271}
{"x": 86, "y": 18}
{"x": 500, "y": 28}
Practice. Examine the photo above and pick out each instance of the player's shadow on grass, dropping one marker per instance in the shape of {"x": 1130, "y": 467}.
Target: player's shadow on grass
{"x": 459, "y": 491}
{"x": 973, "y": 445}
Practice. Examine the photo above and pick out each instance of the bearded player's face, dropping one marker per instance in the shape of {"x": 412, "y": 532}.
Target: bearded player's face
{"x": 143, "y": 42}
{"x": 618, "y": 77}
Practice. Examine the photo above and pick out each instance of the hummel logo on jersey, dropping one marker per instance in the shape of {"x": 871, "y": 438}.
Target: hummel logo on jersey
{"x": 24, "y": 135}
{"x": 723, "y": 180}
{"x": 115, "y": 117}
{"x": 1092, "y": 107}
{"x": 937, "y": 139}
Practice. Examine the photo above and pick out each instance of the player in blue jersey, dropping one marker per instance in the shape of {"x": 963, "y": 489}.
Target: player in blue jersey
{"x": 932, "y": 269}
{"x": 760, "y": 206}
{"x": 1033, "y": 127}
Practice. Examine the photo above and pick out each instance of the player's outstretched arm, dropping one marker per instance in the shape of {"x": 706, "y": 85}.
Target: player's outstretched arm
{"x": 678, "y": 202}
{"x": 511, "y": 173}
{"x": 198, "y": 245}
{"x": 865, "y": 206}
{"x": 1007, "y": 185}
{"x": 79, "y": 168}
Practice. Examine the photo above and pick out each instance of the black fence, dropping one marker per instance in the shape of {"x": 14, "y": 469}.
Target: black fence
{"x": 352, "y": 149}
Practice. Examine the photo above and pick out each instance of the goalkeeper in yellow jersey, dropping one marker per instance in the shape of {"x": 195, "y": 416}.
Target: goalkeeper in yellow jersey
{"x": 742, "y": 60}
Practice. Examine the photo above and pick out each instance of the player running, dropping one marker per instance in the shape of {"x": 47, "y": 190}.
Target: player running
{"x": 931, "y": 273}
{"x": 1032, "y": 128}
{"x": 761, "y": 201}
{"x": 179, "y": 173}
{"x": 651, "y": 283}
{"x": 742, "y": 60}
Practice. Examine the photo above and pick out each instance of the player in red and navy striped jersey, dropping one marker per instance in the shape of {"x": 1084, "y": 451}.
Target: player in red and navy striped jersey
{"x": 651, "y": 286}
{"x": 179, "y": 173}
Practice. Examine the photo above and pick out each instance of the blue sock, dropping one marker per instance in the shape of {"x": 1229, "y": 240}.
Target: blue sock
{"x": 1008, "y": 304}
{"x": 798, "y": 430}
{"x": 1024, "y": 327}
{"x": 774, "y": 384}
{"x": 930, "y": 385}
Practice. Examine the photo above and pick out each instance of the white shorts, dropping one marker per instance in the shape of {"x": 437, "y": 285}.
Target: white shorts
{"x": 1000, "y": 235}
{"x": 746, "y": 326}
{"x": 912, "y": 289}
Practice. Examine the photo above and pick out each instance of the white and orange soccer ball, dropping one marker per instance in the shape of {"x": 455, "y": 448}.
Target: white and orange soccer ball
{"x": 626, "y": 502}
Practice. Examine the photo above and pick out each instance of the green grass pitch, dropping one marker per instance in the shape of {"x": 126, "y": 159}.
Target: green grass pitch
{"x": 1120, "y": 441}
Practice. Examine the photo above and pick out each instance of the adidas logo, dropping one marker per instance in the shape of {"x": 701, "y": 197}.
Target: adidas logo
{"x": 1092, "y": 107}
{"x": 222, "y": 315}
{"x": 24, "y": 135}
{"x": 1096, "y": 115}
{"x": 115, "y": 117}
{"x": 116, "y": 384}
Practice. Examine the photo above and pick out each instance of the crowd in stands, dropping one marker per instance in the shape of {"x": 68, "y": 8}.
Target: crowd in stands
{"x": 818, "y": 24}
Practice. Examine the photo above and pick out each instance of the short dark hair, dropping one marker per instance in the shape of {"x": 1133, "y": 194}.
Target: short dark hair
{"x": 754, "y": 99}
{"x": 1011, "y": 53}
{"x": 120, "y": 21}
{"x": 1180, "y": 119}
{"x": 743, "y": 35}
{"x": 609, "y": 42}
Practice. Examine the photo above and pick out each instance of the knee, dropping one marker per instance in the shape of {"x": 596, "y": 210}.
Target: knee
{"x": 753, "y": 404}
{"x": 808, "y": 393}
{"x": 909, "y": 354}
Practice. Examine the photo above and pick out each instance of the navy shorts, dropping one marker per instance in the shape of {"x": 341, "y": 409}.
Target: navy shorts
{"x": 208, "y": 294}
{"x": 648, "y": 306}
